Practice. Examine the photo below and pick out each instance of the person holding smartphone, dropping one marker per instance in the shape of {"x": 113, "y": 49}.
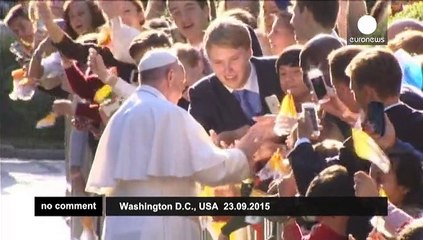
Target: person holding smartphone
{"x": 376, "y": 77}
{"x": 315, "y": 68}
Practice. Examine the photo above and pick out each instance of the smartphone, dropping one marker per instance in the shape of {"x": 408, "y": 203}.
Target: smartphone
{"x": 317, "y": 82}
{"x": 272, "y": 103}
{"x": 309, "y": 110}
{"x": 376, "y": 117}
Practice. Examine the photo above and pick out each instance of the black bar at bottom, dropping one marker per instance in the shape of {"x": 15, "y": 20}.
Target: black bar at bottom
{"x": 68, "y": 206}
{"x": 245, "y": 206}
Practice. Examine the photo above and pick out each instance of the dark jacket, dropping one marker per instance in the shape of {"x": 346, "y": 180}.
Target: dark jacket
{"x": 214, "y": 107}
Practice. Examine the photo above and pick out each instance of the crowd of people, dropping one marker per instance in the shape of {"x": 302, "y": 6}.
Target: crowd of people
{"x": 162, "y": 98}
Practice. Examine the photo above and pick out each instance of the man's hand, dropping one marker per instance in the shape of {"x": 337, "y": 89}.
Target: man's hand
{"x": 110, "y": 8}
{"x": 305, "y": 128}
{"x": 287, "y": 187}
{"x": 227, "y": 138}
{"x": 364, "y": 185}
{"x": 376, "y": 174}
{"x": 267, "y": 123}
{"x": 64, "y": 107}
{"x": 97, "y": 66}
{"x": 386, "y": 141}
{"x": 266, "y": 150}
{"x": 77, "y": 181}
{"x": 255, "y": 137}
{"x": 44, "y": 12}
{"x": 337, "y": 108}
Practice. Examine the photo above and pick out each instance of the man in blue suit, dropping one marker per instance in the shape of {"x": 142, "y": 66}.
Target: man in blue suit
{"x": 229, "y": 99}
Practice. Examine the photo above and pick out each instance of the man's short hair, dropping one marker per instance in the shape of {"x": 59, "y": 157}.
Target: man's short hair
{"x": 148, "y": 40}
{"x": 187, "y": 53}
{"x": 227, "y": 32}
{"x": 317, "y": 49}
{"x": 377, "y": 68}
{"x": 289, "y": 57}
{"x": 242, "y": 15}
{"x": 339, "y": 60}
{"x": 14, "y": 13}
{"x": 333, "y": 181}
{"x": 411, "y": 41}
{"x": 315, "y": 55}
{"x": 324, "y": 12}
{"x": 253, "y": 8}
{"x": 159, "y": 23}
{"x": 285, "y": 17}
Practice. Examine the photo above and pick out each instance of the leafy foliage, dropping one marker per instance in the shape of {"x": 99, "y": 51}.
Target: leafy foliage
{"x": 18, "y": 118}
{"x": 414, "y": 11}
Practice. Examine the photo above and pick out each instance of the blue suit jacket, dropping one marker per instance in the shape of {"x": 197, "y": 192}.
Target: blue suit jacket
{"x": 214, "y": 107}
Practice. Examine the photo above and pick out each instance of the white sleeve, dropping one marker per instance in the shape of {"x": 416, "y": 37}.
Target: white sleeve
{"x": 214, "y": 166}
{"x": 123, "y": 89}
{"x": 232, "y": 169}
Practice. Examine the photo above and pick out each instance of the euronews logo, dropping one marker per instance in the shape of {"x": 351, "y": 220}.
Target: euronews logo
{"x": 370, "y": 32}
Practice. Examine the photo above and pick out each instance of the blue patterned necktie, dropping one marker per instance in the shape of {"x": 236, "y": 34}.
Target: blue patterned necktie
{"x": 249, "y": 101}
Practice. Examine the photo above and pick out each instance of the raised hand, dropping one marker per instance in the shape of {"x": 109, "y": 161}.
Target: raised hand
{"x": 305, "y": 128}
{"x": 388, "y": 139}
{"x": 110, "y": 8}
{"x": 287, "y": 187}
{"x": 364, "y": 185}
{"x": 44, "y": 12}
{"x": 337, "y": 108}
{"x": 96, "y": 64}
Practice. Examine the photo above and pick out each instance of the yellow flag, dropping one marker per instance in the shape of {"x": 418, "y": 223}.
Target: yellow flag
{"x": 276, "y": 161}
{"x": 47, "y": 121}
{"x": 103, "y": 93}
{"x": 288, "y": 106}
{"x": 365, "y": 147}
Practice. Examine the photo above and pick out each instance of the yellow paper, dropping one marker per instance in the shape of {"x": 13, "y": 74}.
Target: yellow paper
{"x": 47, "y": 121}
{"x": 102, "y": 94}
{"x": 278, "y": 164}
{"x": 366, "y": 148}
{"x": 288, "y": 106}
{"x": 382, "y": 192}
{"x": 24, "y": 81}
{"x": 276, "y": 161}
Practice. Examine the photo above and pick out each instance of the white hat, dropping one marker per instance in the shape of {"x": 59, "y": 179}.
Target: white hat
{"x": 156, "y": 58}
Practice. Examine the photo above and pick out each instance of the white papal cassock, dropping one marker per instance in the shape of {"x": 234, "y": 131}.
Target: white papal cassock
{"x": 152, "y": 147}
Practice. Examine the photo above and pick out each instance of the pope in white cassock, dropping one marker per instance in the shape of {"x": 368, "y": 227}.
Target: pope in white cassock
{"x": 152, "y": 147}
